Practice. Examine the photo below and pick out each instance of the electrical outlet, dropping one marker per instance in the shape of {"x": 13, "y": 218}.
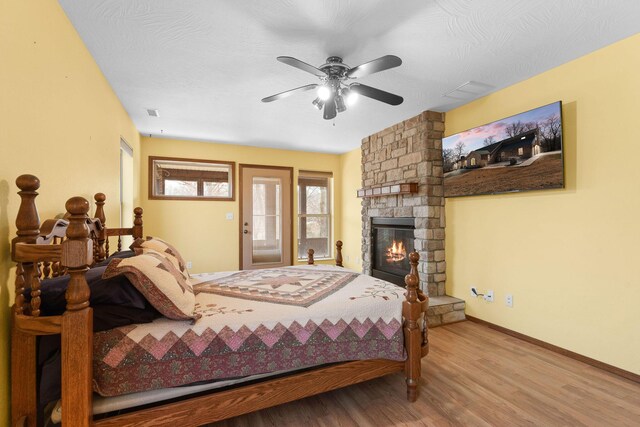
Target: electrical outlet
{"x": 488, "y": 296}
{"x": 229, "y": 216}
{"x": 189, "y": 265}
{"x": 508, "y": 300}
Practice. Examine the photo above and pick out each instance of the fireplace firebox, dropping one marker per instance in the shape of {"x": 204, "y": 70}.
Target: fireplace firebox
{"x": 392, "y": 242}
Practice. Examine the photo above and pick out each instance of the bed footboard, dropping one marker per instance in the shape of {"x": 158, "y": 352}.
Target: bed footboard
{"x": 311, "y": 252}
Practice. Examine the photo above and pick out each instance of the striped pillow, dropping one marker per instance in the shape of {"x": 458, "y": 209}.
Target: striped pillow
{"x": 160, "y": 281}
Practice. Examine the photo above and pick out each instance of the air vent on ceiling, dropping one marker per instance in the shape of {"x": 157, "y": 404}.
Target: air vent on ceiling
{"x": 469, "y": 90}
{"x": 153, "y": 112}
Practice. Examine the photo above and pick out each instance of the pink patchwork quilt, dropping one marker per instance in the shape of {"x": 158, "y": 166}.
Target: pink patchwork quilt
{"x": 256, "y": 322}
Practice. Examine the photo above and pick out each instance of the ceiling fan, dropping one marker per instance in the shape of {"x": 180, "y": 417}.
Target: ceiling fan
{"x": 335, "y": 90}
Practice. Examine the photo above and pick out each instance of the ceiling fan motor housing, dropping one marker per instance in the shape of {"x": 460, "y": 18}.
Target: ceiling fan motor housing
{"x": 335, "y": 68}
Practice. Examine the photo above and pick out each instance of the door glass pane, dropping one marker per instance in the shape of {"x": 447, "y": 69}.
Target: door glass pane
{"x": 266, "y": 234}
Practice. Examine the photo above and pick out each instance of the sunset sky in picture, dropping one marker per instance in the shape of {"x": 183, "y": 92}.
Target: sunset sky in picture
{"x": 473, "y": 138}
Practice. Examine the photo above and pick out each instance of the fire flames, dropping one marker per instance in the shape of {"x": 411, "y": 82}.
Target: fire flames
{"x": 396, "y": 252}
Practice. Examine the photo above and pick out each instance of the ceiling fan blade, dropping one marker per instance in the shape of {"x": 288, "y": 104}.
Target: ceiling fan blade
{"x": 330, "y": 109}
{"x": 301, "y": 65}
{"x": 377, "y": 94}
{"x": 377, "y": 65}
{"x": 289, "y": 92}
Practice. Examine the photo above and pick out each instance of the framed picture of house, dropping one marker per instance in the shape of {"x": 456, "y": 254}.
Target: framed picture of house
{"x": 523, "y": 152}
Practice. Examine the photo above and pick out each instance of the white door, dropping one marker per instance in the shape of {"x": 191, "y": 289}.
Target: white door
{"x": 265, "y": 223}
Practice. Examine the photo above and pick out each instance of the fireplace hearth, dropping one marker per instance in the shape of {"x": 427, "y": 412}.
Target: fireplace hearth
{"x": 392, "y": 241}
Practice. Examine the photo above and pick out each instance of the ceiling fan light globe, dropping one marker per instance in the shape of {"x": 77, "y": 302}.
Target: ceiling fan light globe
{"x": 324, "y": 93}
{"x": 352, "y": 98}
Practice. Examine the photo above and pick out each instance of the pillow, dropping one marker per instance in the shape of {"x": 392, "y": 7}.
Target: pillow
{"x": 139, "y": 246}
{"x": 120, "y": 254}
{"x": 162, "y": 284}
{"x": 116, "y": 290}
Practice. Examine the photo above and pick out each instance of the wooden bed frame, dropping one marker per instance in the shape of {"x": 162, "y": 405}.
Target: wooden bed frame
{"x": 41, "y": 252}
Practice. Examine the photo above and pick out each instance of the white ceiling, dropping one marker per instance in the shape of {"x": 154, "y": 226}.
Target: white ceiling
{"x": 205, "y": 64}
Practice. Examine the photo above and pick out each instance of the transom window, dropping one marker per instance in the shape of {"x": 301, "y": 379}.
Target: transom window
{"x": 186, "y": 179}
{"x": 314, "y": 213}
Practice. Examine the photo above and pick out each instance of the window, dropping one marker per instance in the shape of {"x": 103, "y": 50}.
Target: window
{"x": 520, "y": 151}
{"x": 314, "y": 213}
{"x": 126, "y": 188}
{"x": 184, "y": 179}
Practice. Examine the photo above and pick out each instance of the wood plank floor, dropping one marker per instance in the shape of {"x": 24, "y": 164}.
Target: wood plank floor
{"x": 473, "y": 376}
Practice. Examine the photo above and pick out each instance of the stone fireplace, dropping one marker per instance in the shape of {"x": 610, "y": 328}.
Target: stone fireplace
{"x": 408, "y": 152}
{"x": 403, "y": 199}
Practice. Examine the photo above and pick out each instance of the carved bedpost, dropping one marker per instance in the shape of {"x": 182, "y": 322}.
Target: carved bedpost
{"x": 339, "y": 253}
{"x": 102, "y": 234}
{"x": 310, "y": 253}
{"x": 137, "y": 223}
{"x": 77, "y": 321}
{"x": 411, "y": 311}
{"x": 23, "y": 346}
{"x": 28, "y": 225}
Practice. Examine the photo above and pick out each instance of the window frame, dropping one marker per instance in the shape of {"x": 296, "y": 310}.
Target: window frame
{"x": 329, "y": 215}
{"x": 200, "y": 181}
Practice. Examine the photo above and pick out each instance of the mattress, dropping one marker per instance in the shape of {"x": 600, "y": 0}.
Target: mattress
{"x": 256, "y": 322}
{"x": 105, "y": 405}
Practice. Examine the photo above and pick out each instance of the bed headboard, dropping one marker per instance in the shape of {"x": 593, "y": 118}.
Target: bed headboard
{"x": 102, "y": 239}
{"x": 41, "y": 243}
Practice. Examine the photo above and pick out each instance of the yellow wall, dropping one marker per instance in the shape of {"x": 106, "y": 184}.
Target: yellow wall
{"x": 59, "y": 120}
{"x": 569, "y": 257}
{"x": 199, "y": 228}
{"x": 351, "y": 219}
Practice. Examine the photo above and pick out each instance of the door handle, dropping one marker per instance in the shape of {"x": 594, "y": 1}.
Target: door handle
{"x": 246, "y": 231}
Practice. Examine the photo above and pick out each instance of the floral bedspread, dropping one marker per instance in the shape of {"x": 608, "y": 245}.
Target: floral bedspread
{"x": 256, "y": 322}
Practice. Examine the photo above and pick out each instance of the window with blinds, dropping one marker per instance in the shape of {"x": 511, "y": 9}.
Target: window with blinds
{"x": 314, "y": 213}
{"x": 185, "y": 179}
